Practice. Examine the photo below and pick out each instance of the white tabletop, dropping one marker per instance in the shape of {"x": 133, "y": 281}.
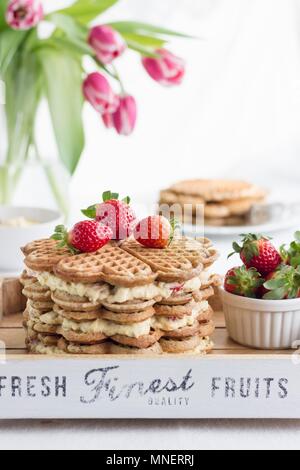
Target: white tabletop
{"x": 155, "y": 435}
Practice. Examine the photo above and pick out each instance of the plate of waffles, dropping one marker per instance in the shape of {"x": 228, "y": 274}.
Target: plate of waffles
{"x": 225, "y": 208}
{"x": 123, "y": 298}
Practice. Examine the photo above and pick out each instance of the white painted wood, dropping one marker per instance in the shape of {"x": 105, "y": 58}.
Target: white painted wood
{"x": 172, "y": 387}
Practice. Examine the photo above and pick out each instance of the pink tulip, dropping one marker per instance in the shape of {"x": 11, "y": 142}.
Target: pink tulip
{"x": 107, "y": 119}
{"x": 107, "y": 43}
{"x": 124, "y": 118}
{"x": 24, "y": 14}
{"x": 168, "y": 70}
{"x": 99, "y": 94}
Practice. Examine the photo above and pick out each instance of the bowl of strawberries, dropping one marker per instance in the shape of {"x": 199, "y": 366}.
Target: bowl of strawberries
{"x": 261, "y": 298}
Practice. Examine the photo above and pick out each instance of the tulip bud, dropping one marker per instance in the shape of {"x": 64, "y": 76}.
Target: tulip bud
{"x": 24, "y": 14}
{"x": 107, "y": 43}
{"x": 107, "y": 119}
{"x": 167, "y": 69}
{"x": 124, "y": 118}
{"x": 99, "y": 94}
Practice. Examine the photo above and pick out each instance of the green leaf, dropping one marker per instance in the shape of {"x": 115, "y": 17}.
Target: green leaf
{"x": 65, "y": 45}
{"x": 277, "y": 294}
{"x": 87, "y": 10}
{"x": 90, "y": 212}
{"x": 3, "y": 6}
{"x": 297, "y": 236}
{"x": 23, "y": 91}
{"x": 274, "y": 284}
{"x": 63, "y": 82}
{"x": 142, "y": 40}
{"x": 69, "y": 25}
{"x": 295, "y": 261}
{"x": 145, "y": 51}
{"x": 10, "y": 41}
{"x": 145, "y": 28}
{"x": 126, "y": 200}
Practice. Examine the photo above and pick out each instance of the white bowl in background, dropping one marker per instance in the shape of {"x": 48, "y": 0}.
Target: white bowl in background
{"x": 13, "y": 238}
{"x": 262, "y": 324}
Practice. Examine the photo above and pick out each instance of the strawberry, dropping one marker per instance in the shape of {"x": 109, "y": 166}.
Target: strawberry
{"x": 258, "y": 252}
{"x": 116, "y": 214}
{"x": 242, "y": 281}
{"x": 155, "y": 231}
{"x": 284, "y": 283}
{"x": 292, "y": 254}
{"x": 85, "y": 237}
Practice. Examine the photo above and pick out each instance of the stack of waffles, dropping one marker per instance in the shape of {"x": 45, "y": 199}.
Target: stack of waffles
{"x": 122, "y": 299}
{"x": 220, "y": 202}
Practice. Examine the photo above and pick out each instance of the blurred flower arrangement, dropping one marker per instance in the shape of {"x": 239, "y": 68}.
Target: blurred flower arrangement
{"x": 33, "y": 68}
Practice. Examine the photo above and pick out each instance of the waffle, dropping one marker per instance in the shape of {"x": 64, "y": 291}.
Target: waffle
{"x": 181, "y": 299}
{"x": 26, "y": 279}
{"x": 201, "y": 329}
{"x": 78, "y": 316}
{"x": 128, "y": 318}
{"x": 111, "y": 264}
{"x": 204, "y": 293}
{"x": 46, "y": 256}
{"x": 120, "y": 349}
{"x": 180, "y": 262}
{"x": 42, "y": 306}
{"x": 215, "y": 280}
{"x": 83, "y": 338}
{"x": 39, "y": 327}
{"x": 185, "y": 345}
{"x": 226, "y": 222}
{"x": 130, "y": 306}
{"x": 44, "y": 244}
{"x": 142, "y": 342}
{"x": 74, "y": 303}
{"x": 42, "y": 346}
{"x": 177, "y": 311}
{"x": 218, "y": 190}
{"x": 206, "y": 315}
{"x": 171, "y": 198}
{"x": 74, "y": 348}
{"x": 34, "y": 291}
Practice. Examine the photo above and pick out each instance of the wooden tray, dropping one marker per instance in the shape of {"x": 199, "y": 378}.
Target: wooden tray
{"x": 231, "y": 382}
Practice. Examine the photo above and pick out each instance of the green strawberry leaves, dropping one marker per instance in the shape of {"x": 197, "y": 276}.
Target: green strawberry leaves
{"x": 61, "y": 234}
{"x": 175, "y": 226}
{"x": 91, "y": 211}
{"x": 285, "y": 284}
{"x": 108, "y": 196}
{"x": 291, "y": 255}
{"x": 245, "y": 281}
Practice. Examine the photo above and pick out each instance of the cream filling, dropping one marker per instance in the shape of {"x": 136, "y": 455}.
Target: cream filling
{"x": 205, "y": 276}
{"x": 172, "y": 324}
{"x": 109, "y": 328}
{"x": 51, "y": 318}
{"x": 94, "y": 292}
{"x": 40, "y": 348}
{"x": 32, "y": 273}
{"x": 120, "y": 295}
{"x": 205, "y": 344}
{"x": 103, "y": 292}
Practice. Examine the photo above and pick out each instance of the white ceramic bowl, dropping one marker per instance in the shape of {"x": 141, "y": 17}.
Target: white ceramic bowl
{"x": 12, "y": 238}
{"x": 262, "y": 324}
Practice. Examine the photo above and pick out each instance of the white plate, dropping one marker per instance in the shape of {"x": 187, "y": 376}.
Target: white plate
{"x": 270, "y": 227}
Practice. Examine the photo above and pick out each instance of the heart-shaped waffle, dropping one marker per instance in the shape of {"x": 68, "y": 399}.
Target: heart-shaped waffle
{"x": 109, "y": 264}
{"x": 180, "y": 261}
{"x": 46, "y": 256}
{"x": 44, "y": 244}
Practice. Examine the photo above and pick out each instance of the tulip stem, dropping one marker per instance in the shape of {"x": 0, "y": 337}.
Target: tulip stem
{"x": 117, "y": 75}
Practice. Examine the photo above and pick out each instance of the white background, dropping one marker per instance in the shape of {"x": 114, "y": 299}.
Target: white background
{"x": 237, "y": 114}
